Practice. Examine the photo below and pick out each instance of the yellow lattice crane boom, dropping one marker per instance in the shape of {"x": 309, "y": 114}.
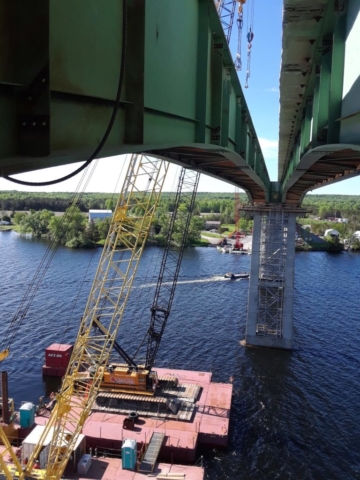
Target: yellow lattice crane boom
{"x": 117, "y": 267}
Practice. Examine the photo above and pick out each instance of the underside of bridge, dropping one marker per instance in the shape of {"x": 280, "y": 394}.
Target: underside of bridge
{"x": 157, "y": 76}
{"x": 319, "y": 143}
{"x": 180, "y": 97}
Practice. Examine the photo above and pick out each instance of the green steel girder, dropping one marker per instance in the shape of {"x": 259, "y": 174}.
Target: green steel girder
{"x": 315, "y": 112}
{"x": 336, "y": 86}
{"x": 320, "y": 166}
{"x": 306, "y": 128}
{"x": 323, "y": 106}
{"x": 181, "y": 95}
{"x": 314, "y": 140}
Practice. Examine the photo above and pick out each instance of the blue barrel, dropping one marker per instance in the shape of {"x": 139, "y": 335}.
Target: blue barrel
{"x": 27, "y": 415}
{"x": 128, "y": 454}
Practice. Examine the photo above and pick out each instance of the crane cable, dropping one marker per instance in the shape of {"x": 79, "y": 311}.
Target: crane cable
{"x": 250, "y": 37}
{"x": 109, "y": 127}
{"x": 240, "y": 23}
{"x": 40, "y": 273}
{"x": 156, "y": 275}
{"x": 88, "y": 267}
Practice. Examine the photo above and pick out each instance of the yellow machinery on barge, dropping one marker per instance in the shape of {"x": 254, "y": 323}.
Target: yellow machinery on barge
{"x": 119, "y": 260}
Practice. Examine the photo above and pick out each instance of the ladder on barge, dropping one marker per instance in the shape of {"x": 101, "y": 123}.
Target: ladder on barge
{"x": 152, "y": 452}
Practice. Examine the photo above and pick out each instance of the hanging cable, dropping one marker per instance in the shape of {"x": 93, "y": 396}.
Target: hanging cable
{"x": 156, "y": 275}
{"x": 40, "y": 272}
{"x": 250, "y": 37}
{"x": 65, "y": 328}
{"x": 109, "y": 127}
{"x": 240, "y": 22}
{"x": 34, "y": 285}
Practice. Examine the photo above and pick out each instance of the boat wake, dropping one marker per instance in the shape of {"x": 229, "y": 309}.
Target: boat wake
{"x": 215, "y": 278}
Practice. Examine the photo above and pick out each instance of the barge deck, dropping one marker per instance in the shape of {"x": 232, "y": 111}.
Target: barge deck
{"x": 203, "y": 420}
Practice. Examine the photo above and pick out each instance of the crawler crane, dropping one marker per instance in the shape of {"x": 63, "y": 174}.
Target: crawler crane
{"x": 110, "y": 290}
{"x": 140, "y": 379}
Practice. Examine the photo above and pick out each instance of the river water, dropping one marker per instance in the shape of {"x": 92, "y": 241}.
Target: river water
{"x": 295, "y": 415}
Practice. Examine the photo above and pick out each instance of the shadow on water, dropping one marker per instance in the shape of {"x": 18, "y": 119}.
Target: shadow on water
{"x": 261, "y": 378}
{"x": 266, "y": 384}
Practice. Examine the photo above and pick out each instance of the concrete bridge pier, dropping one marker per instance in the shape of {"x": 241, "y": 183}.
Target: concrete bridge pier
{"x": 271, "y": 287}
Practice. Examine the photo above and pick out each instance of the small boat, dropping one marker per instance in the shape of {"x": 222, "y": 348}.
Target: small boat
{"x": 239, "y": 252}
{"x": 236, "y": 276}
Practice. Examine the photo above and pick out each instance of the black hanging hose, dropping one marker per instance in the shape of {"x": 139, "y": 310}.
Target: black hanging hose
{"x": 109, "y": 128}
{"x": 32, "y": 289}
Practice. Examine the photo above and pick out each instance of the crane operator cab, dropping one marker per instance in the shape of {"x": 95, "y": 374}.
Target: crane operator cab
{"x": 122, "y": 378}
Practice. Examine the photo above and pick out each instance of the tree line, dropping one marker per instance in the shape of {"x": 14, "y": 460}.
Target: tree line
{"x": 74, "y": 230}
{"x": 217, "y": 206}
{"x": 71, "y": 229}
{"x": 206, "y": 202}
{"x": 339, "y": 206}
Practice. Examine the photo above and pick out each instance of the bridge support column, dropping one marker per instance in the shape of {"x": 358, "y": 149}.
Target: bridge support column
{"x": 271, "y": 287}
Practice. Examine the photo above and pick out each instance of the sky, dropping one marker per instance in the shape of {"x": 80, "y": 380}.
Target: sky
{"x": 262, "y": 98}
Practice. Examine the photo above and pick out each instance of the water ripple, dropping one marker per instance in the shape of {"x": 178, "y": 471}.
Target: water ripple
{"x": 295, "y": 415}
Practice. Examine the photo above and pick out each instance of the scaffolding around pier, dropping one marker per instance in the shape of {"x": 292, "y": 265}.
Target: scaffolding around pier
{"x": 270, "y": 304}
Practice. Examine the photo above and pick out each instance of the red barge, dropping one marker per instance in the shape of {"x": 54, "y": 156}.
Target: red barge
{"x": 202, "y": 420}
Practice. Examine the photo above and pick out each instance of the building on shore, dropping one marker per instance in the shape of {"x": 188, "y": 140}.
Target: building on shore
{"x": 212, "y": 224}
{"x": 331, "y": 233}
{"x": 99, "y": 214}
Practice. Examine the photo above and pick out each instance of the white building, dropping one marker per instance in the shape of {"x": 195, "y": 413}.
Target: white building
{"x": 357, "y": 234}
{"x": 331, "y": 233}
{"x": 99, "y": 214}
{"x": 212, "y": 224}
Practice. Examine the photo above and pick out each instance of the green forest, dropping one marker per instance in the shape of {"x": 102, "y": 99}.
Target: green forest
{"x": 217, "y": 203}
{"x": 75, "y": 231}
{"x": 12, "y": 201}
{"x": 35, "y": 213}
{"x": 70, "y": 226}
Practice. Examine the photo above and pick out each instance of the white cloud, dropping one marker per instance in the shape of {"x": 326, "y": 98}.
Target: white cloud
{"x": 272, "y": 89}
{"x": 269, "y": 148}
